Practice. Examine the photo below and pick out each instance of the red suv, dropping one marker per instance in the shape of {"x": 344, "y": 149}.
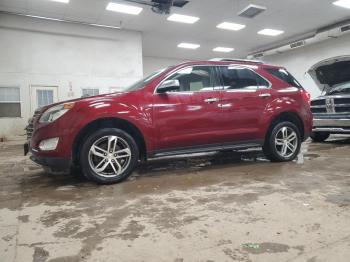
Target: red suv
{"x": 188, "y": 108}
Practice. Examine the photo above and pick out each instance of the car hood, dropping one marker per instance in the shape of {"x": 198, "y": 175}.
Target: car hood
{"x": 331, "y": 72}
{"x": 89, "y": 99}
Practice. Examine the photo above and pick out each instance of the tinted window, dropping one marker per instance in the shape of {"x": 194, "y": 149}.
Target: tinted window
{"x": 261, "y": 81}
{"x": 196, "y": 78}
{"x": 241, "y": 78}
{"x": 284, "y": 75}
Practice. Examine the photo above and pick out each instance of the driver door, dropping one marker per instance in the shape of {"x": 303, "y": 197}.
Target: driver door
{"x": 189, "y": 117}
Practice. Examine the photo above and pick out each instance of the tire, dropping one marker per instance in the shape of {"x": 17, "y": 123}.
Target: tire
{"x": 108, "y": 166}
{"x": 277, "y": 140}
{"x": 319, "y": 136}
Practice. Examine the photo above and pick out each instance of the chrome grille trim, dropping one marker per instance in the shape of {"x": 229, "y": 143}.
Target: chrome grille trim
{"x": 30, "y": 127}
{"x": 331, "y": 105}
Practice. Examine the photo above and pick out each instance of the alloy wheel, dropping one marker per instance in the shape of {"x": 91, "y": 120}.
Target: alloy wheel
{"x": 109, "y": 156}
{"x": 286, "y": 142}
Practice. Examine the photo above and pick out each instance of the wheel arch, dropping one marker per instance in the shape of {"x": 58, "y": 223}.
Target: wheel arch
{"x": 290, "y": 117}
{"x": 119, "y": 123}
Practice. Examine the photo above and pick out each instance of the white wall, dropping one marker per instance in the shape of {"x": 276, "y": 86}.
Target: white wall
{"x": 151, "y": 64}
{"x": 48, "y": 53}
{"x": 299, "y": 61}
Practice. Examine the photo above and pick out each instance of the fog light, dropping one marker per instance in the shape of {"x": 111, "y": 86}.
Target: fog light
{"x": 48, "y": 144}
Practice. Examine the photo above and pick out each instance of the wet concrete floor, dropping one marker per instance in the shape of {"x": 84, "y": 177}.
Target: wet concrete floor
{"x": 228, "y": 206}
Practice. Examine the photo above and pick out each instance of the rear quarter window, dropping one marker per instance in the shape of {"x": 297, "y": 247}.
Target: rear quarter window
{"x": 284, "y": 75}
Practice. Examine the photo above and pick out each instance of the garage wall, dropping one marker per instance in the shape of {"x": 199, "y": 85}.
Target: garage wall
{"x": 151, "y": 63}
{"x": 299, "y": 61}
{"x": 70, "y": 56}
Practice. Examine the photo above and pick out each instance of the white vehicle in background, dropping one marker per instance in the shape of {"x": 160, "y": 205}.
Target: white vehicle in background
{"x": 331, "y": 111}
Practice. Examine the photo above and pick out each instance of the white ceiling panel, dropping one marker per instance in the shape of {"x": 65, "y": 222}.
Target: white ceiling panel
{"x": 161, "y": 37}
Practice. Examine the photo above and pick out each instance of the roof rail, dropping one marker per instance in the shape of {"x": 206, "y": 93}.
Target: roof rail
{"x": 235, "y": 60}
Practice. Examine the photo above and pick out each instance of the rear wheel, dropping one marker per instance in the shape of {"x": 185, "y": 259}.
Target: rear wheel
{"x": 319, "y": 136}
{"x": 282, "y": 142}
{"x": 108, "y": 156}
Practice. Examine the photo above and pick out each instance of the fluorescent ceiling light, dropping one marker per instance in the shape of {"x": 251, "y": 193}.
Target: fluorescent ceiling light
{"x": 121, "y": 8}
{"x": 188, "y": 46}
{"x": 223, "y": 49}
{"x": 183, "y": 18}
{"x": 270, "y": 32}
{"x": 64, "y": 20}
{"x": 61, "y": 1}
{"x": 230, "y": 26}
{"x": 342, "y": 3}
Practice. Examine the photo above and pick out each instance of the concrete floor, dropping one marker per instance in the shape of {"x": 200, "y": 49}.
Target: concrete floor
{"x": 216, "y": 207}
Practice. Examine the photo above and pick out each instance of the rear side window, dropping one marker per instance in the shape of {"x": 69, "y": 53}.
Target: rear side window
{"x": 234, "y": 77}
{"x": 284, "y": 75}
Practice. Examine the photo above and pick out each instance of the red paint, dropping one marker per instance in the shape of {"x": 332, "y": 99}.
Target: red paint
{"x": 180, "y": 120}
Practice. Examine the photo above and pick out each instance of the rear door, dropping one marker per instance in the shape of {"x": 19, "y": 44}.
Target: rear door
{"x": 244, "y": 99}
{"x": 189, "y": 117}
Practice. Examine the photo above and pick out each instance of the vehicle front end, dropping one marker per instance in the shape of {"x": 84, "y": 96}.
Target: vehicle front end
{"x": 331, "y": 111}
{"x": 49, "y": 135}
{"x": 331, "y": 114}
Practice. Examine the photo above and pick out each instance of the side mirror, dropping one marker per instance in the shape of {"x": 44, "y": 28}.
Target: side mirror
{"x": 168, "y": 85}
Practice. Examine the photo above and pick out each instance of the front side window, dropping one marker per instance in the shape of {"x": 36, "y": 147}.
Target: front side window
{"x": 196, "y": 78}
{"x": 235, "y": 77}
{"x": 10, "y": 104}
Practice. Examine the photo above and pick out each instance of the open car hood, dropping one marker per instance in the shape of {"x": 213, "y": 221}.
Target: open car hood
{"x": 331, "y": 72}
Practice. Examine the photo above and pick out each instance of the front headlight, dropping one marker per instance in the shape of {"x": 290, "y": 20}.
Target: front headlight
{"x": 55, "y": 112}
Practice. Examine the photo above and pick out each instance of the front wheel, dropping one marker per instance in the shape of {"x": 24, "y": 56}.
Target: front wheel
{"x": 282, "y": 142}
{"x": 108, "y": 156}
{"x": 319, "y": 136}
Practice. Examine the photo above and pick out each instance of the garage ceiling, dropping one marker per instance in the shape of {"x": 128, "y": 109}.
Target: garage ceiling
{"x": 161, "y": 37}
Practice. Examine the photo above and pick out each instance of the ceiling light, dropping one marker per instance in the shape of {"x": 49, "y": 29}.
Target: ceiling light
{"x": 121, "y": 8}
{"x": 183, "y": 18}
{"x": 223, "y": 49}
{"x": 188, "y": 46}
{"x": 270, "y": 32}
{"x": 61, "y": 1}
{"x": 342, "y": 3}
{"x": 230, "y": 26}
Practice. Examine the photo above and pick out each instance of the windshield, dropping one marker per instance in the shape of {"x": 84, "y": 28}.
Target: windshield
{"x": 141, "y": 83}
{"x": 343, "y": 88}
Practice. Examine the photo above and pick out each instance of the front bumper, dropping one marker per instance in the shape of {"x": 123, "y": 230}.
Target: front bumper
{"x": 339, "y": 125}
{"x": 56, "y": 164}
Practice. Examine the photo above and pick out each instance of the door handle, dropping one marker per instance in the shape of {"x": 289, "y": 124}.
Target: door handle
{"x": 265, "y": 95}
{"x": 211, "y": 100}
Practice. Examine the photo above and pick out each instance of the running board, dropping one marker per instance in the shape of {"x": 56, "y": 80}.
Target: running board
{"x": 193, "y": 150}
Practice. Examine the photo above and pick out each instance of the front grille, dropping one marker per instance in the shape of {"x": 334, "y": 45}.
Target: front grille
{"x": 331, "y": 105}
{"x": 318, "y": 110}
{"x": 30, "y": 127}
{"x": 342, "y": 109}
{"x": 320, "y": 102}
{"x": 344, "y": 100}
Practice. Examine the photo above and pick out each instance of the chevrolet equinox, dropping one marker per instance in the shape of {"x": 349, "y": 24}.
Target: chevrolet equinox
{"x": 192, "y": 107}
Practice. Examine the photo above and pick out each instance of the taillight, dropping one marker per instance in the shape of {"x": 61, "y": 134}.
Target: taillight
{"x": 306, "y": 96}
